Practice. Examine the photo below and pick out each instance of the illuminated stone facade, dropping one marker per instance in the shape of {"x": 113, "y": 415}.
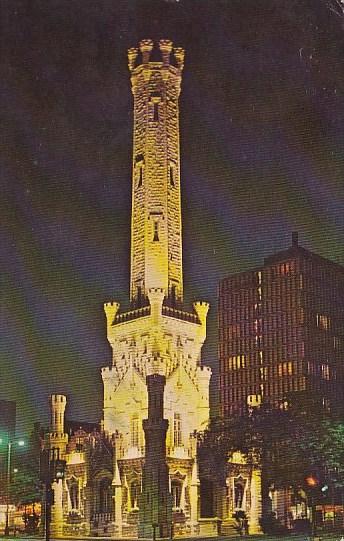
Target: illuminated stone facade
{"x": 156, "y": 241}
{"x": 157, "y": 336}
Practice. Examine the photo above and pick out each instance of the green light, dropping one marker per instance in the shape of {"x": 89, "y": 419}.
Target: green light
{"x": 21, "y": 443}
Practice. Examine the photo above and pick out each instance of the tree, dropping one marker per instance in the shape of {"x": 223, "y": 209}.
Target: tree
{"x": 25, "y": 488}
{"x": 288, "y": 445}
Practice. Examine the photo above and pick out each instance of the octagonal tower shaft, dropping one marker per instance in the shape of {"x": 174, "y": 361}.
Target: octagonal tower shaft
{"x": 156, "y": 227}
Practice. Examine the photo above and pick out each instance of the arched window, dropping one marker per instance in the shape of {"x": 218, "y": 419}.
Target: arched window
{"x": 139, "y": 169}
{"x": 135, "y": 490}
{"x": 239, "y": 490}
{"x": 105, "y": 496}
{"x": 176, "y": 491}
{"x": 73, "y": 487}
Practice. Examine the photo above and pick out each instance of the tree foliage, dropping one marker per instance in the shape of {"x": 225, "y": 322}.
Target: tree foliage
{"x": 287, "y": 445}
{"x": 25, "y": 485}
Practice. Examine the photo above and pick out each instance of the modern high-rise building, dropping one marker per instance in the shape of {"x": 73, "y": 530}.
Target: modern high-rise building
{"x": 7, "y": 433}
{"x": 7, "y": 419}
{"x": 281, "y": 333}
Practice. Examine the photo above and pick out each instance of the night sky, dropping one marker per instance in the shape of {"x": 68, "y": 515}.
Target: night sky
{"x": 262, "y": 135}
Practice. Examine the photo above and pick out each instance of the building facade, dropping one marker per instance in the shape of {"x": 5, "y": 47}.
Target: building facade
{"x": 106, "y": 471}
{"x": 7, "y": 433}
{"x": 281, "y": 334}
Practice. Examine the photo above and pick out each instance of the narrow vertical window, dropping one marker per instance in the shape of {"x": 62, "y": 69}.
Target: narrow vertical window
{"x": 140, "y": 180}
{"x": 323, "y": 322}
{"x": 134, "y": 494}
{"x": 173, "y": 294}
{"x": 177, "y": 430}
{"x": 171, "y": 175}
{"x": 134, "y": 431}
{"x": 155, "y": 112}
{"x": 156, "y": 231}
{"x": 176, "y": 491}
{"x": 139, "y": 296}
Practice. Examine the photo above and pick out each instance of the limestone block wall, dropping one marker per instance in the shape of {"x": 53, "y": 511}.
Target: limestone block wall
{"x": 156, "y": 243}
{"x": 156, "y": 343}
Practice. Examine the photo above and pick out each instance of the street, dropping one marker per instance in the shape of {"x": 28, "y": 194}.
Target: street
{"x": 321, "y": 537}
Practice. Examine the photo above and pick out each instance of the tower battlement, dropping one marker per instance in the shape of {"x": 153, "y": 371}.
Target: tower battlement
{"x": 169, "y": 55}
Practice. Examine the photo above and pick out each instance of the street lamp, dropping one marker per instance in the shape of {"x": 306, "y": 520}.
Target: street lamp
{"x": 10, "y": 443}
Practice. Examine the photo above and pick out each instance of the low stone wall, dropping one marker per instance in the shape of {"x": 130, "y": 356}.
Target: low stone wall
{"x": 209, "y": 527}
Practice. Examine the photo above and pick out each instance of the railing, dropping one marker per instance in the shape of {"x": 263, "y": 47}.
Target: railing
{"x": 102, "y": 518}
{"x": 166, "y": 311}
{"x": 179, "y": 314}
{"x": 132, "y": 314}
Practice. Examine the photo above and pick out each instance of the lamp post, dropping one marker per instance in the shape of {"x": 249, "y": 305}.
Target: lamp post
{"x": 8, "y": 480}
{"x": 313, "y": 484}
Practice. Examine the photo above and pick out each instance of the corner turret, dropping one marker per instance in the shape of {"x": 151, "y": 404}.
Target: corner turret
{"x": 201, "y": 308}
{"x": 57, "y": 438}
{"x": 57, "y": 410}
{"x": 111, "y": 309}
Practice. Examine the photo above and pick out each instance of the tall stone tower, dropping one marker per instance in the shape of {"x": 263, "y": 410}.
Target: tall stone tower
{"x": 156, "y": 242}
{"x": 157, "y": 336}
{"x": 142, "y": 473}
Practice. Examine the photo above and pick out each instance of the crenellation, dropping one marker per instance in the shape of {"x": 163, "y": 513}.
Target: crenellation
{"x": 165, "y": 46}
{"x": 146, "y": 46}
{"x": 132, "y": 56}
